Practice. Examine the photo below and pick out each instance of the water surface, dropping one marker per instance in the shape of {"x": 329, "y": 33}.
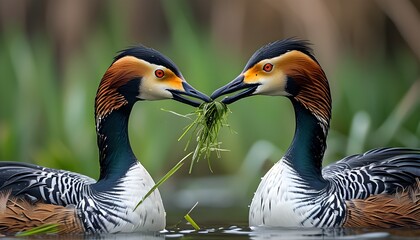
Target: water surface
{"x": 244, "y": 232}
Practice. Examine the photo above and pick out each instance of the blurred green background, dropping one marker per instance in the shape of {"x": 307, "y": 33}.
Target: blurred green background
{"x": 53, "y": 54}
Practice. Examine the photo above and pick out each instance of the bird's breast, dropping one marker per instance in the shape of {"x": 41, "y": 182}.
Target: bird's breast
{"x": 114, "y": 210}
{"x": 273, "y": 202}
{"x": 284, "y": 199}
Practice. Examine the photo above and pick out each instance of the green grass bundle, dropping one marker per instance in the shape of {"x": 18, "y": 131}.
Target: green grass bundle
{"x": 210, "y": 118}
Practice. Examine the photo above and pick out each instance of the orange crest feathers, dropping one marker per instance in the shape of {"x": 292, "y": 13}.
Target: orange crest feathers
{"x": 313, "y": 88}
{"x": 119, "y": 73}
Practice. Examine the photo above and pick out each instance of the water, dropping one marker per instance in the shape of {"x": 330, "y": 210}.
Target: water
{"x": 244, "y": 232}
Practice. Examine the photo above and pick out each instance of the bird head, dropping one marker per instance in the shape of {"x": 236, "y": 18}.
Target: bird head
{"x": 283, "y": 68}
{"x": 141, "y": 73}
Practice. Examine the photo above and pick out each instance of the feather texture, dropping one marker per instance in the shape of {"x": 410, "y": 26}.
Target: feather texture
{"x": 379, "y": 171}
{"x": 384, "y": 211}
{"x": 42, "y": 191}
{"x": 17, "y": 214}
{"x": 48, "y": 185}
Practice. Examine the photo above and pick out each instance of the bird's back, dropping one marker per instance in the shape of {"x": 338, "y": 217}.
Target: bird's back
{"x": 381, "y": 188}
{"x": 37, "y": 183}
{"x": 378, "y": 171}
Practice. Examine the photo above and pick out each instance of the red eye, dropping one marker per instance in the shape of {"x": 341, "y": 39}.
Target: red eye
{"x": 159, "y": 73}
{"x": 268, "y": 67}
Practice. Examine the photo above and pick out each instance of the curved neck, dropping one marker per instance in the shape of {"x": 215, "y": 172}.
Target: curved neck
{"x": 307, "y": 149}
{"x": 115, "y": 153}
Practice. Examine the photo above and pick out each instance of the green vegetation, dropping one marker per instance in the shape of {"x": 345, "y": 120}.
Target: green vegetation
{"x": 210, "y": 118}
{"x": 44, "y": 229}
{"x": 191, "y": 220}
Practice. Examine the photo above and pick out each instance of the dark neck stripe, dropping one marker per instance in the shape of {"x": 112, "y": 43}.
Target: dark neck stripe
{"x": 115, "y": 153}
{"x": 308, "y": 146}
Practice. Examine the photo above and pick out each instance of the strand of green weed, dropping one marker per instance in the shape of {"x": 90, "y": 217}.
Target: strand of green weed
{"x": 197, "y": 130}
{"x": 178, "y": 114}
{"x": 163, "y": 179}
{"x": 43, "y": 229}
{"x": 190, "y": 220}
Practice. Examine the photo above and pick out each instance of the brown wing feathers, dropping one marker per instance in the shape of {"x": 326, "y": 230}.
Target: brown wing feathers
{"x": 385, "y": 211}
{"x": 17, "y": 214}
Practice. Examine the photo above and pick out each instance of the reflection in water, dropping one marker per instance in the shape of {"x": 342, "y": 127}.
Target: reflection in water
{"x": 130, "y": 236}
{"x": 314, "y": 233}
{"x": 266, "y": 233}
{"x": 118, "y": 236}
{"x": 240, "y": 232}
{"x": 235, "y": 232}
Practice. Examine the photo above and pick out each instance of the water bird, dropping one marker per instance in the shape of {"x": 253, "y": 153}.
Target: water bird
{"x": 378, "y": 188}
{"x": 34, "y": 196}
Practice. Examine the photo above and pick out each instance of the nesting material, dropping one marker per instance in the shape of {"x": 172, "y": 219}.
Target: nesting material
{"x": 210, "y": 118}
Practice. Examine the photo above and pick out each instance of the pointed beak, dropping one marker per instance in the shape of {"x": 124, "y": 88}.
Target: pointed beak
{"x": 179, "y": 95}
{"x": 236, "y": 85}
